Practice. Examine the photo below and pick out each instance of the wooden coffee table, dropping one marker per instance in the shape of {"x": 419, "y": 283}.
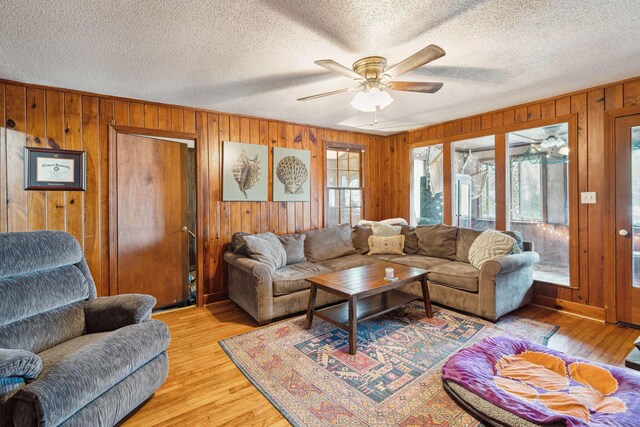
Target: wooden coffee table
{"x": 368, "y": 294}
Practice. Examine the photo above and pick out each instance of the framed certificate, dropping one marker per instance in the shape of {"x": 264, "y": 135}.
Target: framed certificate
{"x": 46, "y": 169}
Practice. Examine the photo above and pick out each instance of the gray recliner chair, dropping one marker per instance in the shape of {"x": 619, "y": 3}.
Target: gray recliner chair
{"x": 67, "y": 357}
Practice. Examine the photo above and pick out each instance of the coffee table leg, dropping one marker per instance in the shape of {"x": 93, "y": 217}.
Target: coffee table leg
{"x": 426, "y": 297}
{"x": 311, "y": 308}
{"x": 353, "y": 321}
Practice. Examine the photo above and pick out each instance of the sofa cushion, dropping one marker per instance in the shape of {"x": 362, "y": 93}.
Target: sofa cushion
{"x": 349, "y": 261}
{"x": 438, "y": 241}
{"x": 360, "y": 237}
{"x": 465, "y": 239}
{"x": 385, "y": 257}
{"x": 419, "y": 261}
{"x": 459, "y": 275}
{"x": 385, "y": 230}
{"x": 267, "y": 249}
{"x": 410, "y": 240}
{"x": 293, "y": 245}
{"x": 491, "y": 244}
{"x": 238, "y": 244}
{"x": 379, "y": 245}
{"x": 291, "y": 278}
{"x": 328, "y": 243}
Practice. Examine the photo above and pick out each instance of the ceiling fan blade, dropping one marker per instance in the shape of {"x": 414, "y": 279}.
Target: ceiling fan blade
{"x": 424, "y": 87}
{"x": 320, "y": 95}
{"x": 418, "y": 59}
{"x": 332, "y": 65}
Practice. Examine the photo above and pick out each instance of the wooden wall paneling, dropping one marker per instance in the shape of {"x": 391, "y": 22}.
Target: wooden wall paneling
{"x": 299, "y": 206}
{"x": 106, "y": 109}
{"x": 254, "y": 137}
{"x": 486, "y": 121}
{"x": 315, "y": 174}
{"x": 177, "y": 118}
{"x": 502, "y": 199}
{"x": 235, "y": 207}
{"x": 613, "y": 97}
{"x": 3, "y": 162}
{"x": 596, "y": 162}
{"x": 206, "y": 241}
{"x": 632, "y": 93}
{"x": 476, "y": 124}
{"x": 189, "y": 120}
{"x": 508, "y": 117}
{"x": 122, "y": 114}
{"x": 136, "y": 114}
{"x": 548, "y": 109}
{"x": 73, "y": 141}
{"x": 215, "y": 254}
{"x": 91, "y": 214}
{"x": 579, "y": 107}
{"x": 521, "y": 114}
{"x": 400, "y": 170}
{"x": 496, "y": 120}
{"x": 274, "y": 207}
{"x": 36, "y": 137}
{"x": 320, "y": 182}
{"x": 225, "y": 207}
{"x": 291, "y": 206}
{"x": 563, "y": 106}
{"x": 263, "y": 134}
{"x": 164, "y": 117}
{"x": 533, "y": 112}
{"x": 151, "y": 117}
{"x": 16, "y": 196}
{"x": 306, "y": 206}
{"x": 55, "y": 139}
{"x": 244, "y": 137}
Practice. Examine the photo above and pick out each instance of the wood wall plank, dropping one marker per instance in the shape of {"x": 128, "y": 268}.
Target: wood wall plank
{"x": 3, "y": 162}
{"x": 36, "y": 137}
{"x": 15, "y": 139}
{"x": 74, "y": 200}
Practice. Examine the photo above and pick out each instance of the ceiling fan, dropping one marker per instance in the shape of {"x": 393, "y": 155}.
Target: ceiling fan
{"x": 374, "y": 78}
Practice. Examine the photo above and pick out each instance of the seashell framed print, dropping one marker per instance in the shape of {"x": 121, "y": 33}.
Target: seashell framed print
{"x": 291, "y": 175}
{"x": 244, "y": 172}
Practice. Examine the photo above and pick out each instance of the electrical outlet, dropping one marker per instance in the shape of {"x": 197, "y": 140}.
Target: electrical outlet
{"x": 588, "y": 197}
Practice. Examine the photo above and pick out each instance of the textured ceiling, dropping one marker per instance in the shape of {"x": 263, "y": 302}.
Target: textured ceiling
{"x": 255, "y": 57}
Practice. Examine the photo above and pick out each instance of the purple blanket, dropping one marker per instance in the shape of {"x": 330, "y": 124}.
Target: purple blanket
{"x": 546, "y": 386}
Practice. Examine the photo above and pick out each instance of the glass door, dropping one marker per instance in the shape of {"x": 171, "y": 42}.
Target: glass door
{"x": 627, "y": 143}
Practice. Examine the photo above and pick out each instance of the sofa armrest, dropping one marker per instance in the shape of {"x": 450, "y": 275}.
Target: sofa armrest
{"x": 250, "y": 286}
{"x": 19, "y": 363}
{"x": 111, "y": 313}
{"x": 509, "y": 263}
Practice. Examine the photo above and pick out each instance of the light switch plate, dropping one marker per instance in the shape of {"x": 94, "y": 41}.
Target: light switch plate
{"x": 587, "y": 197}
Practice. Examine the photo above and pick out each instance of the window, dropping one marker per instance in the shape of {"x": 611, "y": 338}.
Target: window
{"x": 474, "y": 183}
{"x": 538, "y": 177}
{"x": 344, "y": 185}
{"x": 426, "y": 200}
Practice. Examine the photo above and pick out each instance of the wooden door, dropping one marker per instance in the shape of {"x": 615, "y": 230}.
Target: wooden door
{"x": 151, "y": 254}
{"x": 627, "y": 155}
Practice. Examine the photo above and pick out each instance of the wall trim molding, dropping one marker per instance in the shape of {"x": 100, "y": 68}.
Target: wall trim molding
{"x": 574, "y": 308}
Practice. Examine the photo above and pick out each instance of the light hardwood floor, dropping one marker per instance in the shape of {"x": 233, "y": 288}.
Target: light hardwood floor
{"x": 205, "y": 388}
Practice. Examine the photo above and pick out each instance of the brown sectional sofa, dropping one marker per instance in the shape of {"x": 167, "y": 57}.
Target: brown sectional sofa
{"x": 502, "y": 284}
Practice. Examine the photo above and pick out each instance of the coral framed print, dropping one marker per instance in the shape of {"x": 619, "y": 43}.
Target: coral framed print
{"x": 244, "y": 172}
{"x": 47, "y": 169}
{"x": 291, "y": 175}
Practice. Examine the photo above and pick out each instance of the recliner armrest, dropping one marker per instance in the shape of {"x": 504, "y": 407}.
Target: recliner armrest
{"x": 509, "y": 263}
{"x": 19, "y": 363}
{"x": 114, "y": 312}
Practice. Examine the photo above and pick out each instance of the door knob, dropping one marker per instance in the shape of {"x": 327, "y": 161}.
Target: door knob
{"x": 623, "y": 232}
{"x": 184, "y": 228}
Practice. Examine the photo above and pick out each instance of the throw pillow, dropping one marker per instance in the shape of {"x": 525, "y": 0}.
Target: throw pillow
{"x": 385, "y": 230}
{"x": 518, "y": 236}
{"x": 293, "y": 245}
{"x": 360, "y": 236}
{"x": 328, "y": 243}
{"x": 238, "y": 244}
{"x": 490, "y": 244}
{"x": 16, "y": 368}
{"x": 267, "y": 249}
{"x": 390, "y": 245}
{"x": 410, "y": 240}
{"x": 437, "y": 241}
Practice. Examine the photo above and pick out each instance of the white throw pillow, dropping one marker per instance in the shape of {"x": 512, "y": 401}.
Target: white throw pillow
{"x": 392, "y": 245}
{"x": 384, "y": 230}
{"x": 490, "y": 244}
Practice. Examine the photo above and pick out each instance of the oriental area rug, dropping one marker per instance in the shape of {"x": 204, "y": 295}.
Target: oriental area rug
{"x": 393, "y": 380}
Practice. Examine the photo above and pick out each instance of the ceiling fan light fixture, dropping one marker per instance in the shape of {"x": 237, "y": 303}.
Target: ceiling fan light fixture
{"x": 371, "y": 100}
